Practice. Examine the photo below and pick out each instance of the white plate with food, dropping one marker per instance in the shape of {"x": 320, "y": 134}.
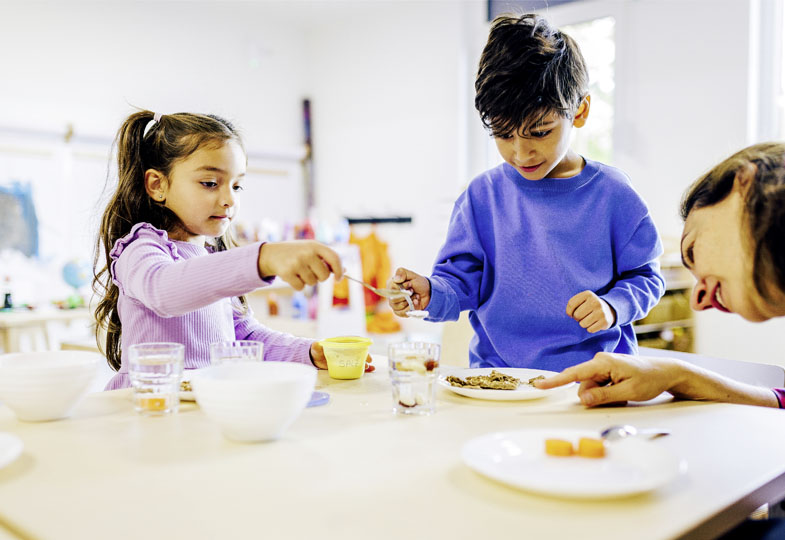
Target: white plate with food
{"x": 517, "y": 458}
{"x": 498, "y": 384}
{"x": 10, "y": 448}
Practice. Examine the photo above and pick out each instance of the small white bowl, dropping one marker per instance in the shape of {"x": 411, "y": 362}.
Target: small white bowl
{"x": 253, "y": 401}
{"x": 41, "y": 386}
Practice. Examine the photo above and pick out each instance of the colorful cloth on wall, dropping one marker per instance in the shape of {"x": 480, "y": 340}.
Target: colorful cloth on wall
{"x": 18, "y": 220}
{"x": 376, "y": 271}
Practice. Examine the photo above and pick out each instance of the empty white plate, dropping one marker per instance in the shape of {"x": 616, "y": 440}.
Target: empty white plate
{"x": 518, "y": 459}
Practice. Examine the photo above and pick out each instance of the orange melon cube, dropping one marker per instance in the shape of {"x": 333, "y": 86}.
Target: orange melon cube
{"x": 558, "y": 447}
{"x": 591, "y": 448}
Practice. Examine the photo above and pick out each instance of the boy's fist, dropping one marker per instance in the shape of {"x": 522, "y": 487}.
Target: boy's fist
{"x": 592, "y": 312}
{"x": 410, "y": 281}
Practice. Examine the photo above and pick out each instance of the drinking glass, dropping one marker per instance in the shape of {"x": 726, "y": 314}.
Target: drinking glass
{"x": 414, "y": 367}
{"x": 155, "y": 370}
{"x": 236, "y": 351}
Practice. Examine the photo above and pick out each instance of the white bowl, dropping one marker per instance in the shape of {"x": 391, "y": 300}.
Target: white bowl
{"x": 40, "y": 386}
{"x": 253, "y": 401}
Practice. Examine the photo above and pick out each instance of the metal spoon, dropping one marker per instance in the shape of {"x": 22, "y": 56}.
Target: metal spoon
{"x": 393, "y": 293}
{"x": 385, "y": 293}
{"x": 615, "y": 433}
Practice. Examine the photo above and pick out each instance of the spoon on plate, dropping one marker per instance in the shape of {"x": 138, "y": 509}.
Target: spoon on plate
{"x": 615, "y": 433}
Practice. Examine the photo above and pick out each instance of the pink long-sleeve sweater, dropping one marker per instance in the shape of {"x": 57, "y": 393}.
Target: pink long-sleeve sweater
{"x": 180, "y": 292}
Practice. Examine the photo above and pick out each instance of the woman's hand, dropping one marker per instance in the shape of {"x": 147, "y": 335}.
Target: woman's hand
{"x": 299, "y": 262}
{"x": 592, "y": 312}
{"x": 617, "y": 378}
{"x": 411, "y": 281}
{"x": 318, "y": 359}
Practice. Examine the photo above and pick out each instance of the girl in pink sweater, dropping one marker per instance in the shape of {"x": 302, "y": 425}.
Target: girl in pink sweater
{"x": 169, "y": 272}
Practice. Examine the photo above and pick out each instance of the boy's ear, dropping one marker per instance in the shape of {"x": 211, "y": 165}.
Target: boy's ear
{"x": 583, "y": 112}
{"x": 155, "y": 185}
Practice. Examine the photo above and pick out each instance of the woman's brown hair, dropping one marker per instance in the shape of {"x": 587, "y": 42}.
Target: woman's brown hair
{"x": 764, "y": 209}
{"x": 143, "y": 144}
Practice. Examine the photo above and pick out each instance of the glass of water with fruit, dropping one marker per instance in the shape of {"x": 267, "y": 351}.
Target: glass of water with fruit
{"x": 414, "y": 368}
{"x": 155, "y": 370}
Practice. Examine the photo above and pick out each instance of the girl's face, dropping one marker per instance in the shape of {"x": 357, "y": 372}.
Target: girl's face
{"x": 544, "y": 152}
{"x": 716, "y": 248}
{"x": 202, "y": 191}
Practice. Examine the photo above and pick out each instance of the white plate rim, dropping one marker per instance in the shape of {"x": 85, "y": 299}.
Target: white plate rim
{"x": 475, "y": 454}
{"x": 521, "y": 394}
{"x": 11, "y": 447}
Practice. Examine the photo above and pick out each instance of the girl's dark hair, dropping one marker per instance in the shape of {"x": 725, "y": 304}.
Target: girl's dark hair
{"x": 527, "y": 70}
{"x": 764, "y": 209}
{"x": 172, "y": 138}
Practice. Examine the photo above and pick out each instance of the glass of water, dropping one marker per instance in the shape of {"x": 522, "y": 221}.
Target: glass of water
{"x": 155, "y": 370}
{"x": 414, "y": 367}
{"x": 236, "y": 351}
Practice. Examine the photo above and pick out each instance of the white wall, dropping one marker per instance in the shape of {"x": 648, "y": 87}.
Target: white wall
{"x": 390, "y": 87}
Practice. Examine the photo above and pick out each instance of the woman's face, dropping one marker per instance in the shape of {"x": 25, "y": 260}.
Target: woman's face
{"x": 716, "y": 248}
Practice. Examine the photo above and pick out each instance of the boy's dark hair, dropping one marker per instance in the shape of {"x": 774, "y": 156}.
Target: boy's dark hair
{"x": 764, "y": 209}
{"x": 527, "y": 70}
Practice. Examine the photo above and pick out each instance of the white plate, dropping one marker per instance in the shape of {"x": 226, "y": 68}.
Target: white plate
{"x": 10, "y": 448}
{"x": 523, "y": 392}
{"x": 517, "y": 458}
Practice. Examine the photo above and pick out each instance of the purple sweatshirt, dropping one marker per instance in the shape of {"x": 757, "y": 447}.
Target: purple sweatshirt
{"x": 180, "y": 292}
{"x": 518, "y": 250}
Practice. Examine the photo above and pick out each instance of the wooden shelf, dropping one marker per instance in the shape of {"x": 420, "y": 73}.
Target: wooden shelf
{"x": 656, "y": 327}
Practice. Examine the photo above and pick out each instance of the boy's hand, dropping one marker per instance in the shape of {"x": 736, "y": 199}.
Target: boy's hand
{"x": 592, "y": 312}
{"x": 299, "y": 263}
{"x": 410, "y": 281}
{"x": 318, "y": 359}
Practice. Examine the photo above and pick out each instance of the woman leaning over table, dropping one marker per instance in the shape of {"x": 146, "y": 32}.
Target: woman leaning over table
{"x": 734, "y": 244}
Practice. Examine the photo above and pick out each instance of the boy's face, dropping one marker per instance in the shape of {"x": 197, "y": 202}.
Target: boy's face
{"x": 544, "y": 150}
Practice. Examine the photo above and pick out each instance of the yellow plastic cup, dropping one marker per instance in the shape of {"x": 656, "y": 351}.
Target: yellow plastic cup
{"x": 346, "y": 356}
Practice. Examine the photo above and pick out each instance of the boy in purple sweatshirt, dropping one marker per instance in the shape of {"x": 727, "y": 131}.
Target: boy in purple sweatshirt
{"x": 553, "y": 255}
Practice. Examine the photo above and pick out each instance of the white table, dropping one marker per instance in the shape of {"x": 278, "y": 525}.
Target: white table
{"x": 352, "y": 470}
{"x": 14, "y": 323}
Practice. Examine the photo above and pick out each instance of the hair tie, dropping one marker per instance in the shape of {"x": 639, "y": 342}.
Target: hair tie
{"x": 156, "y": 118}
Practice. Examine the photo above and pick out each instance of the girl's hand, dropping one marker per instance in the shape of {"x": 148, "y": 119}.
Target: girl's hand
{"x": 592, "y": 312}
{"x": 318, "y": 359}
{"x": 299, "y": 263}
{"x": 410, "y": 281}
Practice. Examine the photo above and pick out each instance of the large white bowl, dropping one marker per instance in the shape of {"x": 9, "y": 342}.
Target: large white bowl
{"x": 253, "y": 401}
{"x": 40, "y": 386}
